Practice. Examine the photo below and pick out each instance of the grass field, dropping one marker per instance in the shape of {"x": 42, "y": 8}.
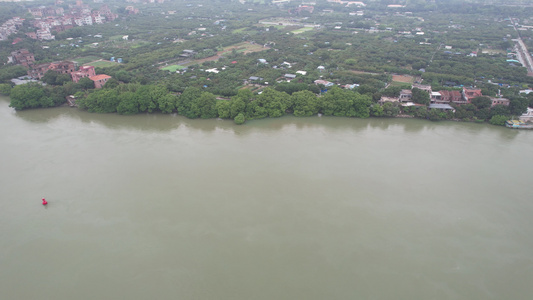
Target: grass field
{"x": 402, "y": 79}
{"x": 173, "y": 68}
{"x": 302, "y": 30}
{"x": 101, "y": 63}
{"x": 242, "y": 47}
{"x": 85, "y": 59}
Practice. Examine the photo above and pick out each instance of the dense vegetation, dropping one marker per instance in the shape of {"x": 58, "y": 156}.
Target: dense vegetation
{"x": 231, "y": 37}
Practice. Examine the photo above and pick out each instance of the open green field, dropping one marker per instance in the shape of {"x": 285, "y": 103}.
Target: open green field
{"x": 302, "y": 30}
{"x": 240, "y": 30}
{"x": 101, "y": 63}
{"x": 85, "y": 59}
{"x": 173, "y": 68}
{"x": 243, "y": 47}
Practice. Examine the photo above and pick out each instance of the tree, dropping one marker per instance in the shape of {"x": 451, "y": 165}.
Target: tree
{"x": 271, "y": 103}
{"x": 305, "y": 104}
{"x": 482, "y": 102}
{"x": 5, "y": 89}
{"x": 128, "y": 104}
{"x": 420, "y": 96}
{"x": 498, "y": 120}
{"x": 167, "y": 103}
{"x": 111, "y": 84}
{"x": 223, "y": 109}
{"x": 30, "y": 95}
{"x": 49, "y": 77}
{"x": 185, "y": 101}
{"x": 518, "y": 106}
{"x": 239, "y": 119}
{"x": 85, "y": 83}
{"x": 204, "y": 106}
{"x": 376, "y": 110}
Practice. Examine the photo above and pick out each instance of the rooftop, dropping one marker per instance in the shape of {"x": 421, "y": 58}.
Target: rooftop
{"x": 99, "y": 77}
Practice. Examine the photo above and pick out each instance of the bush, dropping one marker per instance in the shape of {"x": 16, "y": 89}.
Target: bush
{"x": 239, "y": 119}
{"x": 498, "y": 120}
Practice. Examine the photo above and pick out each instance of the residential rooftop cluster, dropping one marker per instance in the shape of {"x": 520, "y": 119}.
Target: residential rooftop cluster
{"x": 53, "y": 18}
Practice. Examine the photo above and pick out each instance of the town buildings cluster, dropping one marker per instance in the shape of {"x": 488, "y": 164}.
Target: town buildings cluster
{"x": 37, "y": 71}
{"x": 49, "y": 19}
{"x": 442, "y": 99}
{"x": 10, "y": 27}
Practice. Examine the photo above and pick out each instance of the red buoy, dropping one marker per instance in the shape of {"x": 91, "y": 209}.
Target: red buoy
{"x": 44, "y": 202}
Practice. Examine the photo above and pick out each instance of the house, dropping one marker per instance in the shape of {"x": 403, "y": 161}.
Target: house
{"x": 99, "y": 80}
{"x": 445, "y": 107}
{"x": 255, "y": 78}
{"x": 64, "y": 67}
{"x": 351, "y": 86}
{"x": 321, "y": 68}
{"x": 290, "y": 76}
{"x": 424, "y": 87}
{"x": 262, "y": 60}
{"x": 527, "y": 116}
{"x": 435, "y": 97}
{"x": 384, "y": 99}
{"x": 470, "y": 93}
{"x": 324, "y": 83}
{"x": 301, "y": 72}
{"x": 406, "y": 95}
{"x": 84, "y": 71}
{"x": 188, "y": 53}
{"x": 22, "y": 57}
{"x": 499, "y": 101}
{"x": 450, "y": 97}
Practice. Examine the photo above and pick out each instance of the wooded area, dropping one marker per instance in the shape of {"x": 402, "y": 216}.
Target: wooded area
{"x": 273, "y": 65}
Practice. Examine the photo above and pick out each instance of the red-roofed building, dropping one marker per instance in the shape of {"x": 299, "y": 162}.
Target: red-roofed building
{"x": 469, "y": 94}
{"x": 99, "y": 80}
{"x": 84, "y": 71}
{"x": 451, "y": 96}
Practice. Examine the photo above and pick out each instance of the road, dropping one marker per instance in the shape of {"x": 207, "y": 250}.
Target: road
{"x": 522, "y": 53}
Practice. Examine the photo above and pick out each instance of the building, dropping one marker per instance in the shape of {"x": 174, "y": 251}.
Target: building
{"x": 385, "y": 99}
{"x": 22, "y": 57}
{"x": 38, "y": 71}
{"x": 44, "y": 34}
{"x": 436, "y": 97}
{"x": 499, "y": 101}
{"x": 469, "y": 94}
{"x": 527, "y": 116}
{"x": 426, "y": 88}
{"x": 84, "y": 71}
{"x": 99, "y": 80}
{"x": 63, "y": 67}
{"x": 406, "y": 95}
{"x": 324, "y": 83}
{"x": 449, "y": 97}
{"x": 444, "y": 107}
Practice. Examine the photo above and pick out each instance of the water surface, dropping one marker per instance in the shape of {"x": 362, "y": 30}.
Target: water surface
{"x": 162, "y": 207}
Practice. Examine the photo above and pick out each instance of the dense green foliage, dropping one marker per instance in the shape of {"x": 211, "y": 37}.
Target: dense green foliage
{"x": 428, "y": 40}
{"x": 33, "y": 95}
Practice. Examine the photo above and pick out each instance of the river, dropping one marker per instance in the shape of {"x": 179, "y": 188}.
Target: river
{"x": 163, "y": 207}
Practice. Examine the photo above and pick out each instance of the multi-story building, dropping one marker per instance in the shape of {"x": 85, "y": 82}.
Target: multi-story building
{"x": 84, "y": 71}
{"x": 23, "y": 57}
{"x": 99, "y": 80}
{"x": 470, "y": 93}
